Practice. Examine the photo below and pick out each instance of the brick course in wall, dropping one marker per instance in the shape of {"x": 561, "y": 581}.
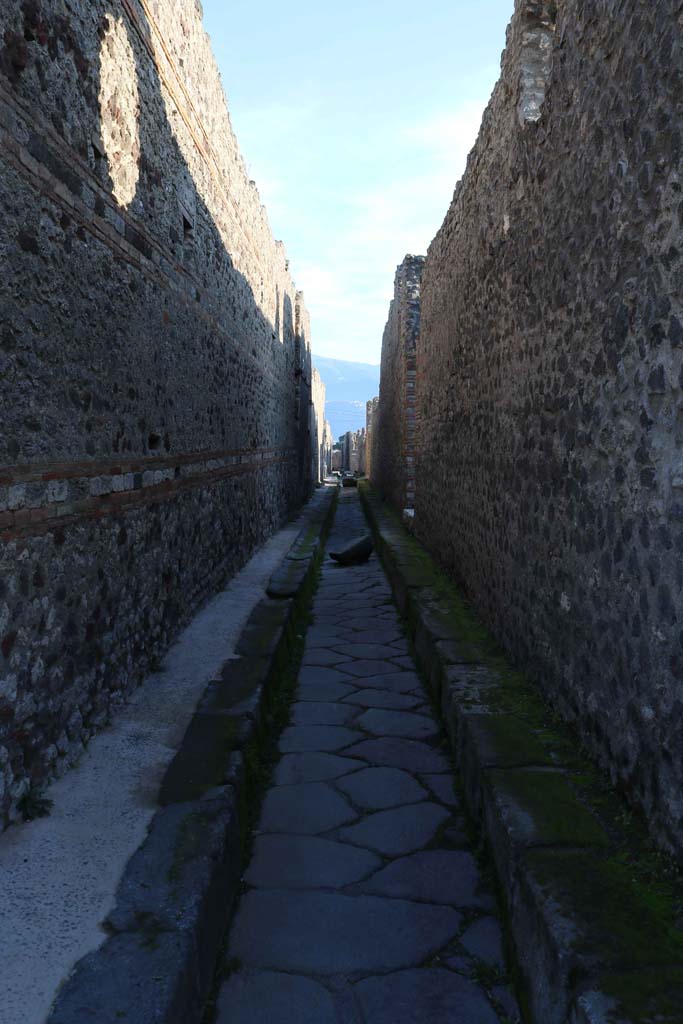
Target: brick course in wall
{"x": 155, "y": 370}
{"x": 551, "y": 380}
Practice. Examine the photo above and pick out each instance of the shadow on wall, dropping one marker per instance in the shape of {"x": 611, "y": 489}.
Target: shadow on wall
{"x": 154, "y": 413}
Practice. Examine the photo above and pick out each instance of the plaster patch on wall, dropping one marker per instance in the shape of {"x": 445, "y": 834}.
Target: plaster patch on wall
{"x": 536, "y": 61}
{"x": 120, "y": 110}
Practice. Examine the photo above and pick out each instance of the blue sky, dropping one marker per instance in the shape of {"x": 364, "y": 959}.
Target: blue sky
{"x": 355, "y": 121}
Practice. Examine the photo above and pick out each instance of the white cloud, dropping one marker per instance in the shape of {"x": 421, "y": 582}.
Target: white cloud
{"x": 349, "y": 290}
{"x": 345, "y": 240}
{"x": 450, "y": 134}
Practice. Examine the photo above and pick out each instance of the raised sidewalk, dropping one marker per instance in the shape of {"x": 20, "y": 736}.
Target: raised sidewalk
{"x": 74, "y": 886}
{"x": 595, "y": 913}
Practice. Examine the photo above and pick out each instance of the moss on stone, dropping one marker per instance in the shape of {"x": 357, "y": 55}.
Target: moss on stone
{"x": 202, "y": 762}
{"x": 548, "y": 802}
{"x": 644, "y": 997}
{"x": 506, "y": 741}
{"x": 189, "y": 844}
{"x": 628, "y": 924}
{"x": 624, "y": 898}
{"x": 150, "y": 928}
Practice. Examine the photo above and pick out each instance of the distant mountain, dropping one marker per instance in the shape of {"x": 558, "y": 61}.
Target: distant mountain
{"x": 349, "y": 386}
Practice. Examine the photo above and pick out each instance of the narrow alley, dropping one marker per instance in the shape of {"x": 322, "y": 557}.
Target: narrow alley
{"x": 244, "y": 778}
{"x": 363, "y": 900}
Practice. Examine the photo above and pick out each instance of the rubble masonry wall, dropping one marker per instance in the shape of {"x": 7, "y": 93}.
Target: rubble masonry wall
{"x": 154, "y": 388}
{"x": 551, "y": 380}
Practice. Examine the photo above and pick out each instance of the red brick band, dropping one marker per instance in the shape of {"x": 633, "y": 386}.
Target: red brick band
{"x": 50, "y": 470}
{"x": 32, "y": 521}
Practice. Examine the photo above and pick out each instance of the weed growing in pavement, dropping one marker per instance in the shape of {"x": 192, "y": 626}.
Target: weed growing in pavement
{"x": 34, "y": 805}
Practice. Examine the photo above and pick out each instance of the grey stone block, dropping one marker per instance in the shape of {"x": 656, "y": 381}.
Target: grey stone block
{"x": 411, "y": 755}
{"x": 397, "y": 831}
{"x": 355, "y": 553}
{"x": 398, "y": 723}
{"x": 379, "y": 635}
{"x": 376, "y": 789}
{"x": 144, "y": 978}
{"x": 382, "y": 699}
{"x": 322, "y": 713}
{"x": 484, "y": 940}
{"x": 368, "y": 667}
{"x": 313, "y": 767}
{"x": 438, "y": 876}
{"x": 287, "y": 580}
{"x": 189, "y": 859}
{"x": 428, "y": 995}
{"x": 443, "y": 789}
{"x": 393, "y": 681}
{"x": 312, "y": 675}
{"x": 307, "y": 862}
{"x": 306, "y": 808}
{"x": 266, "y": 997}
{"x": 323, "y": 691}
{"x": 300, "y": 739}
{"x": 355, "y": 649}
{"x": 170, "y": 918}
{"x": 324, "y": 933}
{"x": 324, "y": 657}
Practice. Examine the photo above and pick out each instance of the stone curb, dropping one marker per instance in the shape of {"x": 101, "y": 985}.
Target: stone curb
{"x": 173, "y": 902}
{"x": 591, "y": 944}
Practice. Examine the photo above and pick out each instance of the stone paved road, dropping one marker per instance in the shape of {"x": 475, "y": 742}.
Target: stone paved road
{"x": 364, "y": 903}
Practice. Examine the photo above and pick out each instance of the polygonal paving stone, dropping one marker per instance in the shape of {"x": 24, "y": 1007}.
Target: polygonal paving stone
{"x": 328, "y": 933}
{"x": 323, "y": 657}
{"x": 322, "y": 713}
{"x": 462, "y": 964}
{"x": 379, "y": 788}
{"x": 398, "y": 831}
{"x": 358, "y": 623}
{"x": 380, "y": 635}
{"x": 312, "y": 675}
{"x": 430, "y": 994}
{"x": 400, "y": 648}
{"x": 438, "y": 876}
{"x": 329, "y": 614}
{"x": 323, "y": 640}
{"x": 361, "y": 601}
{"x": 457, "y": 835}
{"x": 393, "y": 681}
{"x": 411, "y": 755}
{"x": 323, "y": 692}
{"x": 306, "y": 809}
{"x": 484, "y": 939}
{"x": 398, "y": 723}
{"x": 295, "y": 768}
{"x": 404, "y": 661}
{"x": 355, "y": 650}
{"x": 507, "y": 1002}
{"x": 441, "y": 786}
{"x": 265, "y": 997}
{"x": 298, "y": 739}
{"x": 307, "y": 862}
{"x": 382, "y": 699}
{"x": 349, "y": 607}
{"x": 369, "y": 667}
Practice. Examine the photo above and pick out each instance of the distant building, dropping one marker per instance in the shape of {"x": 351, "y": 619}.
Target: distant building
{"x": 317, "y": 426}
{"x": 337, "y": 459}
{"x": 354, "y": 450}
{"x": 370, "y": 414}
{"x": 326, "y": 450}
